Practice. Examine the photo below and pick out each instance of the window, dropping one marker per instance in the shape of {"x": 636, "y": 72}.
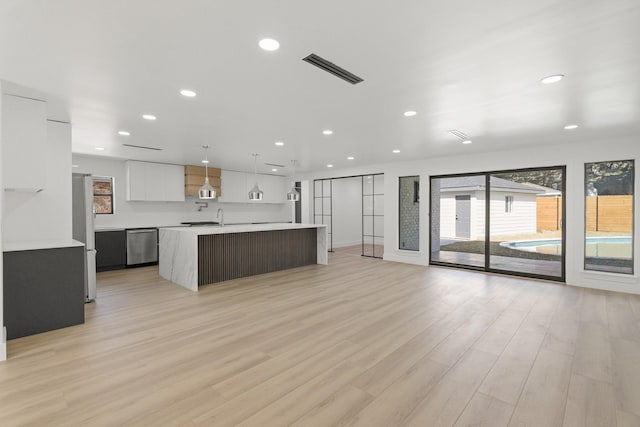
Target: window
{"x": 409, "y": 213}
{"x": 508, "y": 204}
{"x": 103, "y": 195}
{"x": 609, "y": 224}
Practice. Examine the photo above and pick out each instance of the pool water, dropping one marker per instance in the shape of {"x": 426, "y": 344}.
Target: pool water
{"x": 598, "y": 247}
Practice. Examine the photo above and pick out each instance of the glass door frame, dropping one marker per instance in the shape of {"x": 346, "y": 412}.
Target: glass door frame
{"x": 487, "y": 225}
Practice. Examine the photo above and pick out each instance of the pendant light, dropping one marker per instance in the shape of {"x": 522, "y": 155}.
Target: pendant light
{"x": 293, "y": 195}
{"x": 255, "y": 193}
{"x": 206, "y": 191}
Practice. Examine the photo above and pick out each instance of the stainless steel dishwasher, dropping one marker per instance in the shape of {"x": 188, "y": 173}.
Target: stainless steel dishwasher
{"x": 142, "y": 246}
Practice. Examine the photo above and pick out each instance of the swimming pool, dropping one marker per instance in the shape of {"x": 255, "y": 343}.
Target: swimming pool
{"x": 598, "y": 247}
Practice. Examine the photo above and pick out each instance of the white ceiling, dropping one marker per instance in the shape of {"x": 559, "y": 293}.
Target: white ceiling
{"x": 461, "y": 64}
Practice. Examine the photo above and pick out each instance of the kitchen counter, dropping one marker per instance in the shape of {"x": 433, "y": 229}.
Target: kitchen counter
{"x": 37, "y": 245}
{"x": 195, "y": 256}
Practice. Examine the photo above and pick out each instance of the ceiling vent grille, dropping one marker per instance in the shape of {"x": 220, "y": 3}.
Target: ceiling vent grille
{"x": 332, "y": 68}
{"x": 142, "y": 147}
{"x": 459, "y": 134}
{"x": 274, "y": 165}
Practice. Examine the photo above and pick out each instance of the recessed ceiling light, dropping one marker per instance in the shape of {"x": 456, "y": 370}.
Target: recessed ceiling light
{"x": 350, "y": 158}
{"x": 410, "y": 113}
{"x": 124, "y": 133}
{"x": 274, "y": 170}
{"x": 571, "y": 127}
{"x": 329, "y": 166}
{"x": 467, "y": 141}
{"x": 327, "y": 132}
{"x": 74, "y": 166}
{"x": 188, "y": 93}
{"x": 279, "y": 143}
{"x": 205, "y": 162}
{"x": 269, "y": 44}
{"x": 555, "y": 78}
{"x": 100, "y": 148}
{"x": 395, "y": 151}
{"x": 149, "y": 117}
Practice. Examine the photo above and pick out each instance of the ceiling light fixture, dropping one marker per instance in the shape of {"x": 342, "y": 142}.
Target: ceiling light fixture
{"x": 274, "y": 170}
{"x": 293, "y": 195}
{"x": 571, "y": 127}
{"x": 269, "y": 44}
{"x": 124, "y": 133}
{"x": 410, "y": 113}
{"x": 206, "y": 191}
{"x": 350, "y": 158}
{"x": 395, "y": 151}
{"x": 555, "y": 78}
{"x": 74, "y": 166}
{"x": 467, "y": 141}
{"x": 327, "y": 132}
{"x": 256, "y": 193}
{"x": 188, "y": 93}
{"x": 329, "y": 166}
{"x": 279, "y": 143}
{"x": 100, "y": 148}
{"x": 149, "y": 117}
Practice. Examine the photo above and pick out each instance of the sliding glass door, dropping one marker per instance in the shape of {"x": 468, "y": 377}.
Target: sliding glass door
{"x": 507, "y": 221}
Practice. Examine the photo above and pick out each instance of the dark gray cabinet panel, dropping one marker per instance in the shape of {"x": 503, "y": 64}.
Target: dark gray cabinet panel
{"x": 111, "y": 247}
{"x": 43, "y": 290}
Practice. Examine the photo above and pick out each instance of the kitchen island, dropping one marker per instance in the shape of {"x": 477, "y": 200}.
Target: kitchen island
{"x": 196, "y": 256}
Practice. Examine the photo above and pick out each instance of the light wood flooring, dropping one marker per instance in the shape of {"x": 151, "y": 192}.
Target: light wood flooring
{"x": 359, "y": 342}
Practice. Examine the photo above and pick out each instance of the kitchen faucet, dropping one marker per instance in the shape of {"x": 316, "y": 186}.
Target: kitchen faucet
{"x": 220, "y": 216}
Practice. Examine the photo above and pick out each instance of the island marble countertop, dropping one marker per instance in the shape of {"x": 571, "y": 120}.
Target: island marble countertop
{"x": 240, "y": 228}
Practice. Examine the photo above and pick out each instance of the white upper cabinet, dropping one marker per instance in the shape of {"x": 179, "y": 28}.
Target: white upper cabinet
{"x": 24, "y": 143}
{"x": 154, "y": 182}
{"x": 236, "y": 187}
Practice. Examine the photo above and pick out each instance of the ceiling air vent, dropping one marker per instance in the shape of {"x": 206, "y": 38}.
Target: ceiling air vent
{"x": 142, "y": 147}
{"x": 274, "y": 165}
{"x": 332, "y": 68}
{"x": 459, "y": 134}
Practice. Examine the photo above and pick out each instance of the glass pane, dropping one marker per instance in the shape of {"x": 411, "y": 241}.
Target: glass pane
{"x": 326, "y": 206}
{"x": 526, "y": 222}
{"x": 318, "y": 206}
{"x": 409, "y": 213}
{"x": 609, "y": 193}
{"x": 378, "y": 184}
{"x": 367, "y": 247}
{"x": 317, "y": 219}
{"x": 103, "y": 204}
{"x": 378, "y": 205}
{"x": 378, "y": 247}
{"x": 367, "y": 205}
{"x": 102, "y": 187}
{"x": 457, "y": 220}
{"x": 378, "y": 226}
{"x": 326, "y": 187}
{"x": 317, "y": 188}
{"x": 367, "y": 225}
{"x": 367, "y": 184}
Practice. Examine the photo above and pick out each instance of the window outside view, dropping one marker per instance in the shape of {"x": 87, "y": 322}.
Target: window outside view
{"x": 525, "y": 222}
{"x": 609, "y": 197}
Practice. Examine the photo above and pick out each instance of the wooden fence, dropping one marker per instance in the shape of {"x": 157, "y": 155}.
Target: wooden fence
{"x": 604, "y": 213}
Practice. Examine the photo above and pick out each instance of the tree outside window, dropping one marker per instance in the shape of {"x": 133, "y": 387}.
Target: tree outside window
{"x": 103, "y": 195}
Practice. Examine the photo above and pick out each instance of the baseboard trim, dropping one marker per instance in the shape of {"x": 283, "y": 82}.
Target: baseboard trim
{"x": 3, "y": 344}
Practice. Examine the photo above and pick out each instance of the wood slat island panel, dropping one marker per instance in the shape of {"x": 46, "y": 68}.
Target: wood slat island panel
{"x": 234, "y": 255}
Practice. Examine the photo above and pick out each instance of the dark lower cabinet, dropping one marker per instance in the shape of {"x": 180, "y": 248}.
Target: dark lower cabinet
{"x": 43, "y": 290}
{"x": 111, "y": 247}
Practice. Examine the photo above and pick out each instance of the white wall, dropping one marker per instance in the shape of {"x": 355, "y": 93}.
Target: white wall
{"x": 44, "y": 216}
{"x": 153, "y": 214}
{"x": 574, "y": 156}
{"x": 347, "y": 211}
